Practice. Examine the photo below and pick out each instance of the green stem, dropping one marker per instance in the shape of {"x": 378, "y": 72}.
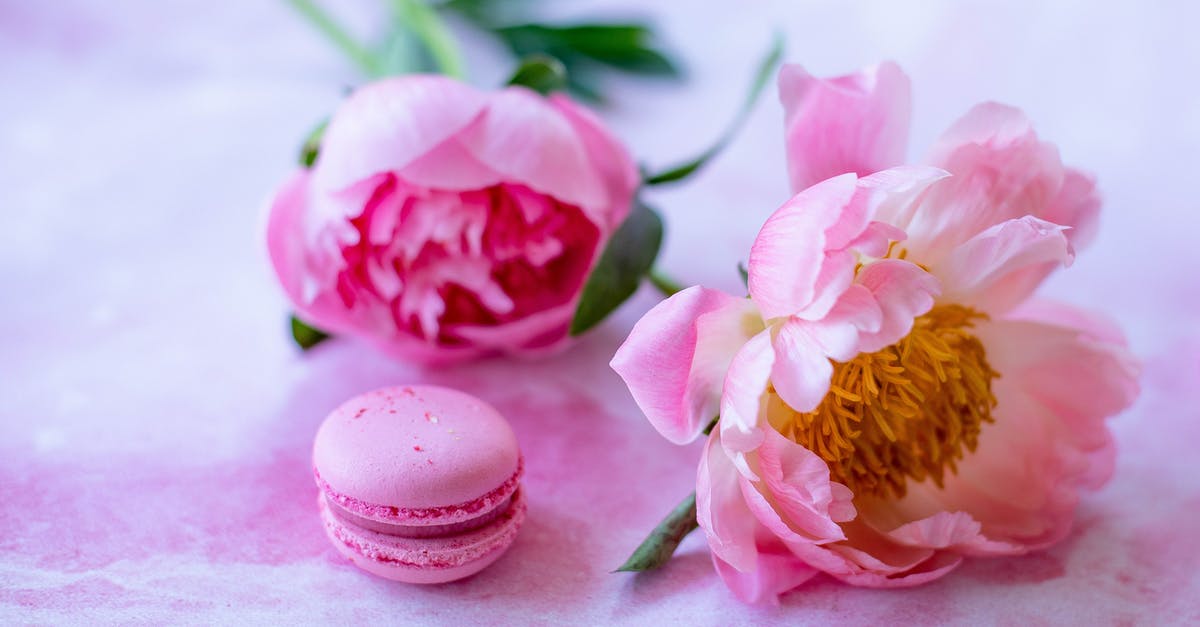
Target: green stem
{"x": 359, "y": 54}
{"x": 660, "y": 545}
{"x": 425, "y": 23}
{"x": 666, "y": 285}
{"x": 762, "y": 77}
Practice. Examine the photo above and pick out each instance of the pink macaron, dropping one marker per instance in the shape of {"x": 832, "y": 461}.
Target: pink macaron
{"x": 419, "y": 483}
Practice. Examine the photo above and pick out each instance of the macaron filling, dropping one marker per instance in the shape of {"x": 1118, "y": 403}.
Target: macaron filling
{"x": 417, "y": 531}
{"x": 391, "y": 516}
{"x": 439, "y": 552}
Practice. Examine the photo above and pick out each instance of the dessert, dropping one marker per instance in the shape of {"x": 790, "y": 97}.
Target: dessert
{"x": 419, "y": 483}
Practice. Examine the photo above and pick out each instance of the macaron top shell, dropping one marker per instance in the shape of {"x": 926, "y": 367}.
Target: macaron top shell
{"x": 416, "y": 455}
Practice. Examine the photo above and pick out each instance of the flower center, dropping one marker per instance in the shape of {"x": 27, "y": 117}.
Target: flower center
{"x": 910, "y": 410}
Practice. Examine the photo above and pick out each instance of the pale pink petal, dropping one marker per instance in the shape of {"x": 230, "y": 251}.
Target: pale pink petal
{"x": 855, "y": 123}
{"x": 1049, "y": 438}
{"x": 388, "y": 124}
{"x": 805, "y": 255}
{"x": 776, "y": 571}
{"x": 1000, "y": 267}
{"x": 858, "y": 308}
{"x": 540, "y": 330}
{"x": 950, "y": 530}
{"x": 871, "y": 555}
{"x": 785, "y": 273}
{"x": 285, "y": 234}
{"x": 802, "y": 370}
{"x": 1095, "y": 324}
{"x": 449, "y": 166}
{"x": 901, "y": 190}
{"x": 286, "y": 245}
{"x": 803, "y": 348}
{"x": 720, "y": 510}
{"x": 903, "y": 291}
{"x": 798, "y": 483}
{"x": 1000, "y": 171}
{"x": 526, "y": 139}
{"x": 607, "y": 155}
{"x": 936, "y": 566}
{"x": 1077, "y": 205}
{"x": 676, "y": 357}
{"x": 858, "y": 554}
{"x": 743, "y": 397}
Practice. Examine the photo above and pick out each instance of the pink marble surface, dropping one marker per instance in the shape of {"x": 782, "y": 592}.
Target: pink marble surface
{"x": 155, "y": 421}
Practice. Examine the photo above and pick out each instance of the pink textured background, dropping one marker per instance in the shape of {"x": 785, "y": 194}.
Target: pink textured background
{"x": 155, "y": 421}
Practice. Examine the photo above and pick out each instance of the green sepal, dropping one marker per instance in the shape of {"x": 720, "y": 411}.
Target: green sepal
{"x": 541, "y": 73}
{"x": 312, "y": 144}
{"x": 307, "y": 336}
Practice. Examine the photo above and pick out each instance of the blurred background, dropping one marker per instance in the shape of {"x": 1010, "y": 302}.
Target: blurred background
{"x": 139, "y": 142}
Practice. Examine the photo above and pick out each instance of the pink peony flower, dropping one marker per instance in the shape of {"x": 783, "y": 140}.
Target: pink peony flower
{"x": 442, "y": 223}
{"x": 891, "y": 399}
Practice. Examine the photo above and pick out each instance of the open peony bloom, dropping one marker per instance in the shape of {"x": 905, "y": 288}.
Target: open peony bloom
{"x": 442, "y": 223}
{"x": 890, "y": 397}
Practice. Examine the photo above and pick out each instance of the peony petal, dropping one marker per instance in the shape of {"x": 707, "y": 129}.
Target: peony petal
{"x": 776, "y": 571}
{"x": 528, "y": 140}
{"x": 720, "y": 510}
{"x": 875, "y": 312}
{"x": 1000, "y": 171}
{"x": 802, "y": 368}
{"x": 285, "y": 234}
{"x": 902, "y": 292}
{"x": 286, "y": 241}
{"x": 388, "y": 124}
{"x": 936, "y": 566}
{"x": 676, "y": 357}
{"x": 805, "y": 256}
{"x": 743, "y": 397}
{"x": 607, "y": 155}
{"x": 449, "y": 166}
{"x": 538, "y": 332}
{"x": 1090, "y": 323}
{"x": 1049, "y": 438}
{"x": 872, "y": 554}
{"x": 785, "y": 273}
{"x": 1077, "y": 205}
{"x": 797, "y": 482}
{"x": 951, "y": 530}
{"x": 855, "y": 123}
{"x": 1000, "y": 267}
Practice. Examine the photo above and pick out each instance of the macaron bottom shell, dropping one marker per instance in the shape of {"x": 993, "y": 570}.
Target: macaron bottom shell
{"x": 424, "y": 560}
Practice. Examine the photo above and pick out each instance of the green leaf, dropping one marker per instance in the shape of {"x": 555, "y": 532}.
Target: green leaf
{"x": 660, "y": 545}
{"x": 541, "y": 73}
{"x": 312, "y": 144}
{"x": 626, "y": 47}
{"x": 306, "y": 336}
{"x": 761, "y": 78}
{"x": 627, "y": 258}
{"x": 744, "y": 273}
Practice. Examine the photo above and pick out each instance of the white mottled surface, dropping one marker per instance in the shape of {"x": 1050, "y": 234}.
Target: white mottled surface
{"x": 155, "y": 422}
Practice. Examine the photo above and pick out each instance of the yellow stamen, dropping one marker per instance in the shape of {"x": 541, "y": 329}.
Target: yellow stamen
{"x": 909, "y": 411}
